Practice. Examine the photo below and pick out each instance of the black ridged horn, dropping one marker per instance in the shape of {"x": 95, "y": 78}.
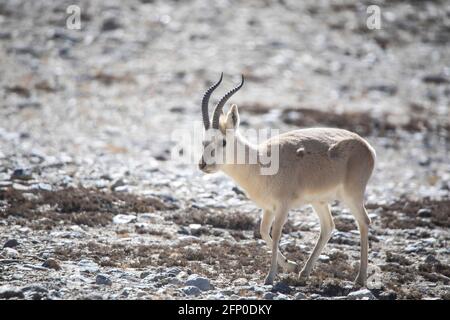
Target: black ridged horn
{"x": 220, "y": 105}
{"x": 205, "y": 102}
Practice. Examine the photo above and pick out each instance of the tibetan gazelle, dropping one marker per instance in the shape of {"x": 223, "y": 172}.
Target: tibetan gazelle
{"x": 316, "y": 166}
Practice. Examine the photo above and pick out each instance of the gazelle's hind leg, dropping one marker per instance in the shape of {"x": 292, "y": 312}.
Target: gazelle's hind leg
{"x": 360, "y": 166}
{"x": 266, "y": 223}
{"x": 326, "y": 228}
{"x": 358, "y": 210}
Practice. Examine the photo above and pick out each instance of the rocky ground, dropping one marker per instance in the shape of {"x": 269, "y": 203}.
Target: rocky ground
{"x": 92, "y": 206}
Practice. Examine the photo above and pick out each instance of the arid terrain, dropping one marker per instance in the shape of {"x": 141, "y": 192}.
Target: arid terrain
{"x": 93, "y": 205}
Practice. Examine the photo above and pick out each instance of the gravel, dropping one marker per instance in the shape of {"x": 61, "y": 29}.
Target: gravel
{"x": 10, "y": 253}
{"x": 7, "y": 292}
{"x": 269, "y": 296}
{"x": 103, "y": 280}
{"x": 200, "y": 282}
{"x": 11, "y": 243}
{"x": 191, "y": 291}
{"x": 363, "y": 294}
{"x": 21, "y": 174}
{"x": 282, "y": 288}
{"x": 124, "y": 218}
{"x": 52, "y": 264}
{"x": 300, "y": 296}
{"x": 93, "y": 207}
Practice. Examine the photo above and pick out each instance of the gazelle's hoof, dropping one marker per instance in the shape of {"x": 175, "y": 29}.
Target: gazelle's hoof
{"x": 360, "y": 281}
{"x": 269, "y": 280}
{"x": 303, "y": 275}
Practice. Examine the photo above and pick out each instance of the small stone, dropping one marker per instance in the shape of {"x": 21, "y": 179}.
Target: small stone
{"x": 158, "y": 277}
{"x": 412, "y": 248}
{"x": 430, "y": 259}
{"x": 21, "y": 174}
{"x": 281, "y": 287}
{"x": 183, "y": 230}
{"x": 4, "y": 184}
{"x": 173, "y": 271}
{"x": 389, "y": 295}
{"x": 240, "y": 282}
{"x": 76, "y": 229}
{"x": 429, "y": 241}
{"x": 124, "y": 218}
{"x": 122, "y": 189}
{"x": 174, "y": 280}
{"x": 35, "y": 292}
{"x": 11, "y": 243}
{"x": 51, "y": 264}
{"x": 118, "y": 183}
{"x": 386, "y": 88}
{"x": 103, "y": 280}
{"x": 177, "y": 109}
{"x": 5, "y": 35}
{"x": 100, "y": 184}
{"x": 88, "y": 266}
{"x": 281, "y": 296}
{"x": 21, "y": 187}
{"x": 34, "y": 287}
{"x": 125, "y": 293}
{"x": 191, "y": 291}
{"x": 363, "y": 294}
{"x": 424, "y": 213}
{"x": 269, "y": 296}
{"x": 340, "y": 237}
{"x": 10, "y": 252}
{"x": 151, "y": 216}
{"x": 7, "y": 292}
{"x": 45, "y": 187}
{"x": 29, "y": 104}
{"x": 30, "y": 196}
{"x": 93, "y": 296}
{"x": 300, "y": 296}
{"x": 435, "y": 79}
{"x": 188, "y": 239}
{"x": 219, "y": 296}
{"x": 34, "y": 267}
{"x": 195, "y": 229}
{"x": 296, "y": 234}
{"x": 424, "y": 162}
{"x": 66, "y": 181}
{"x": 161, "y": 157}
{"x": 324, "y": 258}
{"x": 199, "y": 282}
{"x": 110, "y": 24}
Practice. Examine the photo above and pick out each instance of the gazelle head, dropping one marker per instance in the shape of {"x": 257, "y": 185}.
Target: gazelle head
{"x": 219, "y": 132}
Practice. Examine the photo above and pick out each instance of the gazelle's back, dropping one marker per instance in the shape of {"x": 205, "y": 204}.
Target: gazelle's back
{"x": 316, "y": 161}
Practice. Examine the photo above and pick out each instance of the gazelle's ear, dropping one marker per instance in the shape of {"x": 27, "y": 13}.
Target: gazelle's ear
{"x": 232, "y": 121}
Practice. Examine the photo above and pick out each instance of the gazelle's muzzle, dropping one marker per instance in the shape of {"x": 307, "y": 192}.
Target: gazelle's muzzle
{"x": 202, "y": 164}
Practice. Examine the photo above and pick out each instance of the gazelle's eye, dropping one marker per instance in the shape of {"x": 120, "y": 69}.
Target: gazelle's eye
{"x": 224, "y": 143}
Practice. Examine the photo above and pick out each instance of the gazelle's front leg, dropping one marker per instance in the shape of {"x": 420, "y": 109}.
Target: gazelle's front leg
{"x": 266, "y": 223}
{"x": 280, "y": 218}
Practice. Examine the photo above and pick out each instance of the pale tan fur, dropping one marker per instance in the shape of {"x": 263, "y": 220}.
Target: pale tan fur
{"x": 316, "y": 166}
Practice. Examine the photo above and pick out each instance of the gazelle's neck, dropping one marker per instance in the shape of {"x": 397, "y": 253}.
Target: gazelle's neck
{"x": 245, "y": 173}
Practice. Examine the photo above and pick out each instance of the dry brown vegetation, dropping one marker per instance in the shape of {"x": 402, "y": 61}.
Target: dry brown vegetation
{"x": 91, "y": 207}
